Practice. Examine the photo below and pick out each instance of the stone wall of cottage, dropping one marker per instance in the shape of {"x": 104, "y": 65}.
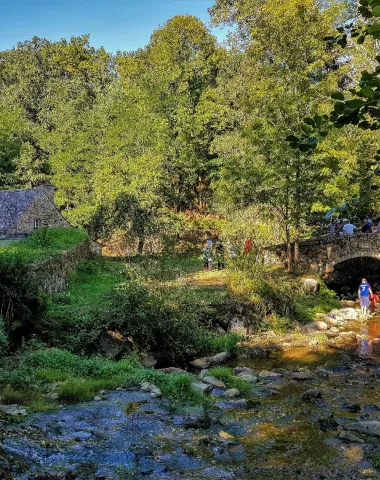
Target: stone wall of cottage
{"x": 40, "y": 209}
{"x": 51, "y": 275}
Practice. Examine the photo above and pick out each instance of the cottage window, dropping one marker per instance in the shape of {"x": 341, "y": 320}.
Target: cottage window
{"x": 37, "y": 223}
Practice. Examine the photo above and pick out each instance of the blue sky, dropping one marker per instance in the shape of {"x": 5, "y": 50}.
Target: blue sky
{"x": 114, "y": 24}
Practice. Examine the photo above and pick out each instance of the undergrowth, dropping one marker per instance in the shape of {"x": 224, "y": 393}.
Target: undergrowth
{"x": 75, "y": 379}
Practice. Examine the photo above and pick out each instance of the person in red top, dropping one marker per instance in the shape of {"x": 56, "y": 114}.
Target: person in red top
{"x": 374, "y": 299}
{"x": 247, "y": 246}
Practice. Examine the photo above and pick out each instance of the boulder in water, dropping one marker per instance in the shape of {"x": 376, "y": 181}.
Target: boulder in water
{"x": 245, "y": 370}
{"x": 231, "y": 393}
{"x": 201, "y": 387}
{"x": 151, "y": 388}
{"x": 206, "y": 362}
{"x": 311, "y": 395}
{"x": 370, "y": 427}
{"x": 214, "y": 382}
{"x": 13, "y": 410}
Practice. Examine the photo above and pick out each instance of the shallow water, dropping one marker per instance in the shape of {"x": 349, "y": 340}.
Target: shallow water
{"x": 278, "y": 436}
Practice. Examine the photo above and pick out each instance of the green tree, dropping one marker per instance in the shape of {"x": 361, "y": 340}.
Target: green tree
{"x": 287, "y": 70}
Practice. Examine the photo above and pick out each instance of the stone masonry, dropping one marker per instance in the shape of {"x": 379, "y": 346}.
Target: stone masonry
{"x": 22, "y": 211}
{"x": 321, "y": 254}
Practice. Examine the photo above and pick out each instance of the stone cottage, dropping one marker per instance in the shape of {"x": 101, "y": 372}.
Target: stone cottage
{"x": 23, "y": 211}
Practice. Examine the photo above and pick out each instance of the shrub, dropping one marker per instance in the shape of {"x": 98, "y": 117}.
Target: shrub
{"x": 21, "y": 304}
{"x": 3, "y": 339}
{"x": 224, "y": 343}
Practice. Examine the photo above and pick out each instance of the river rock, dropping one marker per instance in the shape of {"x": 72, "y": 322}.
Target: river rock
{"x": 322, "y": 372}
{"x": 317, "y": 326}
{"x": 97, "y": 398}
{"x": 320, "y": 326}
{"x": 327, "y": 423}
{"x": 197, "y": 421}
{"x": 266, "y": 374}
{"x": 255, "y": 352}
{"x": 170, "y": 370}
{"x": 206, "y": 362}
{"x": 370, "y": 427}
{"x": 345, "y": 314}
{"x": 311, "y": 395}
{"x": 214, "y": 382}
{"x": 237, "y": 325}
{"x": 248, "y": 377}
{"x": 204, "y": 373}
{"x": 310, "y": 286}
{"x": 231, "y": 393}
{"x": 151, "y": 388}
{"x": 201, "y": 387}
{"x": 301, "y": 376}
{"x": 349, "y": 437}
{"x": 245, "y": 370}
{"x": 13, "y": 410}
{"x": 331, "y": 321}
{"x": 148, "y": 361}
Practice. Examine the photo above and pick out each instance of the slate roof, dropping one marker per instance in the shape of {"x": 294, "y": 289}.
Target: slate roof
{"x": 13, "y": 204}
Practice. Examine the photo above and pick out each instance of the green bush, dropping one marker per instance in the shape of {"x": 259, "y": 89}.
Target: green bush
{"x": 277, "y": 297}
{"x": 21, "y": 304}
{"x": 3, "y": 339}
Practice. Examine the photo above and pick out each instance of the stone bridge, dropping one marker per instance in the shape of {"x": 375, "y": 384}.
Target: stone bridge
{"x": 321, "y": 254}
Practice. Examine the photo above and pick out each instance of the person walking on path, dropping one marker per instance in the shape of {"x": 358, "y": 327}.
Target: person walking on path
{"x": 348, "y": 228}
{"x": 219, "y": 250}
{"x": 364, "y": 292}
{"x": 206, "y": 255}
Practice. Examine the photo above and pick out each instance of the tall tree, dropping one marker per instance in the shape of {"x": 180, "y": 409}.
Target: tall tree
{"x": 288, "y": 71}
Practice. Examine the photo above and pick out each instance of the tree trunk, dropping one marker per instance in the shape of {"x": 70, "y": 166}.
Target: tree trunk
{"x": 297, "y": 250}
{"x": 289, "y": 255}
{"x": 140, "y": 246}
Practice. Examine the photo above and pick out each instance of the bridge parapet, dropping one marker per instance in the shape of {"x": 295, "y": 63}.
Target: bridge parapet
{"x": 320, "y": 254}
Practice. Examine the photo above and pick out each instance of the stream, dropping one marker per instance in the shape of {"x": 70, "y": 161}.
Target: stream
{"x": 333, "y": 433}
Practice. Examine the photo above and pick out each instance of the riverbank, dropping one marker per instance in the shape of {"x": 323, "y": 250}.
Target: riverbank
{"x": 309, "y": 415}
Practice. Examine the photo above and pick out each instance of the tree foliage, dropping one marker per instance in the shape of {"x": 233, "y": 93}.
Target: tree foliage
{"x": 135, "y": 140}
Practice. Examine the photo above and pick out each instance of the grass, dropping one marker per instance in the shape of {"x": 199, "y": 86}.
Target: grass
{"x": 44, "y": 243}
{"x": 164, "y": 268}
{"x": 85, "y": 291}
{"x": 77, "y": 379}
{"x": 225, "y": 375}
{"x": 307, "y": 306}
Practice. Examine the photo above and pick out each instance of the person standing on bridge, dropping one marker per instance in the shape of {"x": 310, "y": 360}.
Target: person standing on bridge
{"x": 348, "y": 228}
{"x": 367, "y": 226}
{"x": 364, "y": 292}
{"x": 331, "y": 226}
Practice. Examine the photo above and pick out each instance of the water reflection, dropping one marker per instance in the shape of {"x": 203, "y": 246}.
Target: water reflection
{"x": 364, "y": 343}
